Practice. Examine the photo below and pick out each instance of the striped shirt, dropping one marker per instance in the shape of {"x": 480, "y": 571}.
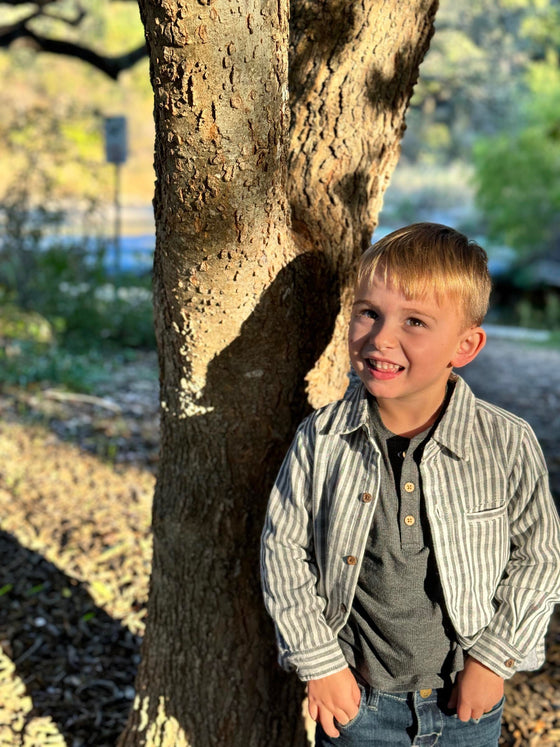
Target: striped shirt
{"x": 494, "y": 528}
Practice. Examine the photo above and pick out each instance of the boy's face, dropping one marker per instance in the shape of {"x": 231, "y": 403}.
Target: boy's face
{"x": 404, "y": 350}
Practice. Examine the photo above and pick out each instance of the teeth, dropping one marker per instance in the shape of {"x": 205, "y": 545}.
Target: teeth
{"x": 383, "y": 366}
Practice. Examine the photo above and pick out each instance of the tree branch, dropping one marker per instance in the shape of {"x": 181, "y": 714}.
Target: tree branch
{"x": 111, "y": 66}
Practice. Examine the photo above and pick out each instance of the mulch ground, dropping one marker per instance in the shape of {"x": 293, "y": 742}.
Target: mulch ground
{"x": 76, "y": 482}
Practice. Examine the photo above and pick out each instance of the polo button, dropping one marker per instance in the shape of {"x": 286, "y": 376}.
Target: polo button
{"x": 409, "y": 520}
{"x": 409, "y": 487}
{"x": 351, "y": 560}
{"x": 510, "y": 663}
{"x": 425, "y": 693}
{"x": 402, "y": 454}
{"x": 367, "y": 498}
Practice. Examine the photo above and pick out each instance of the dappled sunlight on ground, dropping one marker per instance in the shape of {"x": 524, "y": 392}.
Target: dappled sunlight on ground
{"x": 75, "y": 551}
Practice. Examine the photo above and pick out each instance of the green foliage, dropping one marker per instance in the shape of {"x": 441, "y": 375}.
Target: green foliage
{"x": 26, "y": 363}
{"x": 473, "y": 73}
{"x": 545, "y": 317}
{"x": 59, "y": 309}
{"x": 518, "y": 189}
{"x": 95, "y": 314}
{"x": 25, "y": 326}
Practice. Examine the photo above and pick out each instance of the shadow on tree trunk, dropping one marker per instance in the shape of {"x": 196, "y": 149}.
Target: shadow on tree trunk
{"x": 209, "y": 664}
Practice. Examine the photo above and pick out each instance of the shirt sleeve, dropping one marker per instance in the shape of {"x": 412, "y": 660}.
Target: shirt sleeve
{"x": 289, "y": 572}
{"x": 530, "y": 586}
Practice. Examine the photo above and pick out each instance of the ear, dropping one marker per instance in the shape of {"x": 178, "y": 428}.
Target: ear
{"x": 470, "y": 345}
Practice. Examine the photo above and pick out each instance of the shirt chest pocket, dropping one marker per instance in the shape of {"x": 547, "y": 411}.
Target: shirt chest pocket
{"x": 487, "y": 512}
{"x": 486, "y": 496}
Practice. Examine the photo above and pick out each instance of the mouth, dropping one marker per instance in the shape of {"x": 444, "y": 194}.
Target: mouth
{"x": 383, "y": 366}
{"x": 382, "y": 370}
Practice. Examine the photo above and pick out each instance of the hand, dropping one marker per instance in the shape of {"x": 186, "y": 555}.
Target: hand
{"x": 334, "y": 697}
{"x": 477, "y": 690}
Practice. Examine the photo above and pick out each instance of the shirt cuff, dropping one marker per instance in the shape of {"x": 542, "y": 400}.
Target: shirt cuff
{"x": 495, "y": 654}
{"x": 319, "y": 662}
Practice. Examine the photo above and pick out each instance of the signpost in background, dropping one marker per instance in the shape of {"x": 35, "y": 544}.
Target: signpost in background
{"x": 116, "y": 152}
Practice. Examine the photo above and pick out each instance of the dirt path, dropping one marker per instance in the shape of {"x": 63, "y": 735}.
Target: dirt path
{"x": 75, "y": 550}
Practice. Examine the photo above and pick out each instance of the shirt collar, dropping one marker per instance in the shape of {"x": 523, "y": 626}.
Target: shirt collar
{"x": 455, "y": 427}
{"x": 353, "y": 413}
{"x": 452, "y": 432}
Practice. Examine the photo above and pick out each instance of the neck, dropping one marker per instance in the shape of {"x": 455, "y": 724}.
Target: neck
{"x": 407, "y": 422}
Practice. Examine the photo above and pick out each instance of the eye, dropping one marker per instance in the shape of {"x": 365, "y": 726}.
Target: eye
{"x": 414, "y": 322}
{"x": 368, "y": 313}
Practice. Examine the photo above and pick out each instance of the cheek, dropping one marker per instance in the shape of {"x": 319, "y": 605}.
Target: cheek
{"x": 358, "y": 331}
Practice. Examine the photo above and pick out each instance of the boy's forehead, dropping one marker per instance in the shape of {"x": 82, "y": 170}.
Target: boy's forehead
{"x": 426, "y": 298}
{"x": 423, "y": 293}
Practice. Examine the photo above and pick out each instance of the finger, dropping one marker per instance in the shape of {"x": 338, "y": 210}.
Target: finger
{"x": 328, "y": 725}
{"x": 313, "y": 710}
{"x": 341, "y": 716}
{"x": 464, "y": 712}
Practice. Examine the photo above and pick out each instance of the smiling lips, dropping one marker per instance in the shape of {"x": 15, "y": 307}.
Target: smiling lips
{"x": 383, "y": 369}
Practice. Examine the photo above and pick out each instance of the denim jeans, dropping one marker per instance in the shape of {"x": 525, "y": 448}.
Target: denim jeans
{"x": 415, "y": 718}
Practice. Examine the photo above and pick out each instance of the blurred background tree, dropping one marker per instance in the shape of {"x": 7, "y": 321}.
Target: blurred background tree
{"x": 69, "y": 65}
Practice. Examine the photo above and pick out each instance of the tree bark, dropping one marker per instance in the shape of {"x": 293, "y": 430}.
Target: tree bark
{"x": 245, "y": 302}
{"x": 353, "y": 67}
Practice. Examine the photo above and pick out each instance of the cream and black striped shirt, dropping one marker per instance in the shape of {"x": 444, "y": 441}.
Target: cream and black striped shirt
{"x": 493, "y": 523}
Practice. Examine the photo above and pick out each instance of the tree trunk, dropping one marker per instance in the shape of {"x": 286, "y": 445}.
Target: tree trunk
{"x": 353, "y": 67}
{"x": 244, "y": 307}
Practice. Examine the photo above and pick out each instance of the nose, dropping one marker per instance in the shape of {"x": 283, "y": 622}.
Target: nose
{"x": 382, "y": 336}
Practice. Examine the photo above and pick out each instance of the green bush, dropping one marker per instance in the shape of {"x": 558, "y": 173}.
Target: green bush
{"x": 24, "y": 363}
{"x": 96, "y": 314}
{"x": 517, "y": 170}
{"x": 545, "y": 317}
{"x": 66, "y": 283}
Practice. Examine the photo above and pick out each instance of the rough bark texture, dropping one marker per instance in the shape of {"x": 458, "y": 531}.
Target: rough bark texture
{"x": 244, "y": 308}
{"x": 353, "y": 66}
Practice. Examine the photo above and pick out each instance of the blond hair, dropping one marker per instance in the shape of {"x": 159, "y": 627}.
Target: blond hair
{"x": 430, "y": 259}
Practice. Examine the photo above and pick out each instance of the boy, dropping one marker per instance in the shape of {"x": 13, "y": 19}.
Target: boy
{"x": 411, "y": 553}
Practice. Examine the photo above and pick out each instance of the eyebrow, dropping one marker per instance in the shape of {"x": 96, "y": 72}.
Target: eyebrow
{"x": 420, "y": 312}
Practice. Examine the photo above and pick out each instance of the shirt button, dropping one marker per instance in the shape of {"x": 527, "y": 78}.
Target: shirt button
{"x": 409, "y": 520}
{"x": 351, "y": 560}
{"x": 409, "y": 487}
{"x": 510, "y": 663}
{"x": 367, "y": 498}
{"x": 402, "y": 454}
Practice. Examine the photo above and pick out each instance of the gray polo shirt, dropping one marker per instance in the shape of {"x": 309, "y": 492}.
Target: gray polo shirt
{"x": 397, "y": 637}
